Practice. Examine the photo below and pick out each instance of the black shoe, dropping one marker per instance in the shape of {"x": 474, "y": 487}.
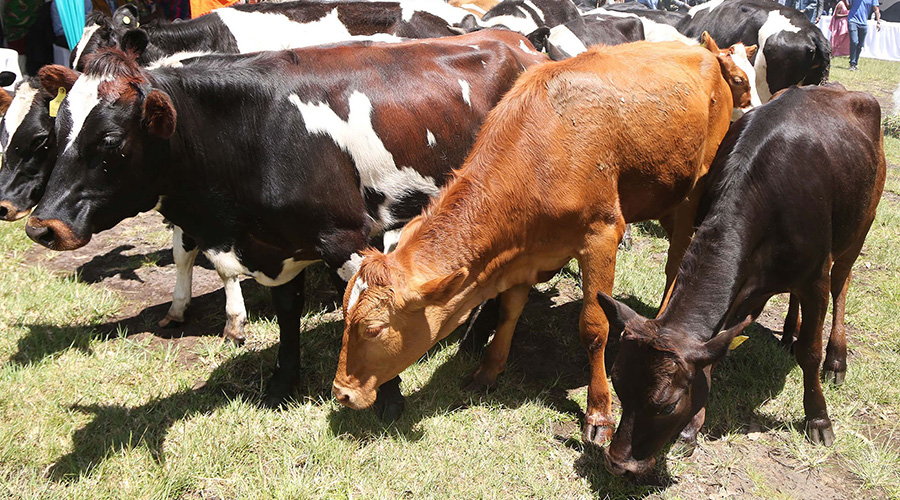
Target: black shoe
{"x": 854, "y": 68}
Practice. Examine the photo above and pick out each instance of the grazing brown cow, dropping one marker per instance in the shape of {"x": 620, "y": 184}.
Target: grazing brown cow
{"x": 787, "y": 210}
{"x": 575, "y": 150}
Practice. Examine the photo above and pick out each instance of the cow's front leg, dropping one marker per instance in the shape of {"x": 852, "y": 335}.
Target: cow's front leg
{"x": 512, "y": 302}
{"x": 288, "y": 300}
{"x": 184, "y": 252}
{"x": 235, "y": 311}
{"x": 598, "y": 267}
{"x": 808, "y": 350}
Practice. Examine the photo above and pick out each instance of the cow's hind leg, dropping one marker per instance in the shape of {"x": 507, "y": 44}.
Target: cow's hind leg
{"x": 184, "y": 252}
{"x": 512, "y": 302}
{"x": 680, "y": 228}
{"x": 808, "y": 350}
{"x": 598, "y": 268}
{"x": 288, "y": 299}
{"x": 791, "y": 324}
{"x": 235, "y": 311}
{"x": 835, "y": 367}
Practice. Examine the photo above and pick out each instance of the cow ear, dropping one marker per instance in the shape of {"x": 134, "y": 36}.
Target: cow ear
{"x": 707, "y": 40}
{"x": 539, "y": 38}
{"x": 159, "y": 114}
{"x": 468, "y": 24}
{"x": 441, "y": 290}
{"x": 126, "y": 17}
{"x": 751, "y": 51}
{"x": 55, "y": 77}
{"x": 5, "y": 101}
{"x": 716, "y": 348}
{"x": 135, "y": 41}
{"x": 617, "y": 313}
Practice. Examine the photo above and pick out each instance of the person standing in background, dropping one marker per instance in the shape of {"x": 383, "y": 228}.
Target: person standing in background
{"x": 860, "y": 10}
{"x": 811, "y": 8}
{"x": 840, "y": 34}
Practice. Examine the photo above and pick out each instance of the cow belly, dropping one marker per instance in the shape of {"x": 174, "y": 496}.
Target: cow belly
{"x": 228, "y": 264}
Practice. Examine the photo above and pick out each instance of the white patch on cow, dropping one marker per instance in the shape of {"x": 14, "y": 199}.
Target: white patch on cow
{"x": 740, "y": 59}
{"x": 391, "y": 238}
{"x": 184, "y": 270}
{"x": 465, "y": 91}
{"x": 80, "y": 101}
{"x": 85, "y": 38}
{"x": 228, "y": 264}
{"x": 18, "y": 110}
{"x": 523, "y": 25}
{"x": 537, "y": 11}
{"x": 256, "y": 31}
{"x": 704, "y": 6}
{"x": 525, "y": 48}
{"x": 653, "y": 31}
{"x": 472, "y": 6}
{"x": 174, "y": 60}
{"x": 349, "y": 268}
{"x": 430, "y": 138}
{"x": 375, "y": 164}
{"x": 474, "y": 47}
{"x": 776, "y": 23}
{"x": 452, "y": 15}
{"x": 483, "y": 64}
{"x": 359, "y": 286}
{"x": 563, "y": 39}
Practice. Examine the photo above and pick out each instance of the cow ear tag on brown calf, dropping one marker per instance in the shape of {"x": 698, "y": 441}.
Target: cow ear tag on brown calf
{"x": 735, "y": 342}
{"x": 56, "y": 102}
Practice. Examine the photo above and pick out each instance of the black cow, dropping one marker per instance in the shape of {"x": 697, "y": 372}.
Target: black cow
{"x": 525, "y": 16}
{"x": 275, "y": 26}
{"x": 274, "y": 160}
{"x": 787, "y": 210}
{"x": 573, "y": 38}
{"x": 792, "y": 50}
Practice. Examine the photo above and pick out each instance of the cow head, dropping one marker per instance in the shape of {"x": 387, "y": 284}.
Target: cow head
{"x": 801, "y": 57}
{"x": 662, "y": 379}
{"x": 27, "y": 139}
{"x": 738, "y": 73}
{"x": 390, "y": 320}
{"x": 102, "y": 31}
{"x": 111, "y": 128}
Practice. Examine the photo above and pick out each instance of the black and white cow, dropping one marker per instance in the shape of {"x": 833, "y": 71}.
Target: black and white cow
{"x": 276, "y": 26}
{"x": 274, "y": 160}
{"x": 574, "y": 37}
{"x": 526, "y": 16}
{"x": 792, "y": 50}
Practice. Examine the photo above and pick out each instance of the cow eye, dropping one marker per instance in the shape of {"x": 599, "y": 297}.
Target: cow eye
{"x": 112, "y": 142}
{"x": 668, "y": 409}
{"x": 38, "y": 142}
{"x": 738, "y": 80}
{"x": 372, "y": 332}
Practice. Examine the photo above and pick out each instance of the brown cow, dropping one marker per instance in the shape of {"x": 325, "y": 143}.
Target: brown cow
{"x": 787, "y": 210}
{"x": 575, "y": 150}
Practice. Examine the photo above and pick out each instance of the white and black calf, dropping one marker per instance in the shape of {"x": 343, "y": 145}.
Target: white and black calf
{"x": 526, "y": 16}
{"x": 275, "y": 160}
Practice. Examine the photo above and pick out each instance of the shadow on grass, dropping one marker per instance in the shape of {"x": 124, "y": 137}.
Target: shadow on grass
{"x": 114, "y": 263}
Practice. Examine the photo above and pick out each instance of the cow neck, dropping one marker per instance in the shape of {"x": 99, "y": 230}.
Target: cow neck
{"x": 170, "y": 38}
{"x": 711, "y": 290}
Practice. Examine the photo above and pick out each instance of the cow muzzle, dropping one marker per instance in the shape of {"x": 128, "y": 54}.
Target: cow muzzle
{"x": 54, "y": 234}
{"x": 10, "y": 212}
{"x": 628, "y": 467}
{"x": 352, "y": 398}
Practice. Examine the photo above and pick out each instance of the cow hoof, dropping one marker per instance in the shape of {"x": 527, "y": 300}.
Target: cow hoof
{"x": 479, "y": 382}
{"x": 787, "y": 343}
{"x": 390, "y": 403}
{"x": 835, "y": 377}
{"x": 170, "y": 321}
{"x": 597, "y": 435}
{"x": 279, "y": 389}
{"x": 236, "y": 340}
{"x": 819, "y": 431}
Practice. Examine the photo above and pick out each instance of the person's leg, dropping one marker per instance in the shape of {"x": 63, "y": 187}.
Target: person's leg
{"x": 861, "y": 31}
{"x": 854, "y": 44}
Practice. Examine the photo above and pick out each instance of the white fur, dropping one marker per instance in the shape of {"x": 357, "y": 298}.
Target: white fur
{"x": 80, "y": 101}
{"x": 653, "y": 31}
{"x": 524, "y": 25}
{"x": 563, "y": 39}
{"x": 472, "y": 6}
{"x": 18, "y": 109}
{"x": 391, "y": 238}
{"x": 526, "y": 48}
{"x": 256, "y": 31}
{"x": 704, "y": 6}
{"x": 349, "y": 268}
{"x": 375, "y": 164}
{"x": 359, "y": 286}
{"x": 464, "y": 85}
{"x": 85, "y": 37}
{"x": 740, "y": 59}
{"x": 452, "y": 15}
{"x": 429, "y": 136}
{"x": 184, "y": 270}
{"x": 228, "y": 264}
{"x": 776, "y": 23}
{"x": 174, "y": 60}
{"x": 537, "y": 11}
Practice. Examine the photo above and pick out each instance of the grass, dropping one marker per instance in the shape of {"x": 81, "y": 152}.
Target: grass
{"x": 87, "y": 414}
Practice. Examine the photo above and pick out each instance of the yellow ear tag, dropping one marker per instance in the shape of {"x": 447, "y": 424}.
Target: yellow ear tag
{"x": 54, "y": 104}
{"x": 735, "y": 342}
{"x": 126, "y": 20}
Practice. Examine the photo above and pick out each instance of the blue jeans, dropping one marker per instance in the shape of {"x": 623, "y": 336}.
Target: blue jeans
{"x": 857, "y": 38}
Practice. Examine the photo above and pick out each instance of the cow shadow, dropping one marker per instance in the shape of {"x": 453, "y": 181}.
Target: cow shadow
{"x": 114, "y": 263}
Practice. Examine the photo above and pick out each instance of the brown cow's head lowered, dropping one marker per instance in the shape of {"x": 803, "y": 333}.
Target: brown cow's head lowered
{"x": 662, "y": 380}
{"x": 390, "y": 322}
{"x": 738, "y": 73}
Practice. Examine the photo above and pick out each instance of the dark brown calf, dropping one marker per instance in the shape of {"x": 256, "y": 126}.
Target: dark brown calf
{"x": 787, "y": 210}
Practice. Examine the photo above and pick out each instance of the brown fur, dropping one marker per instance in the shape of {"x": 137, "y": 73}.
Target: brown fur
{"x": 574, "y": 151}
{"x": 5, "y": 101}
{"x": 159, "y": 114}
{"x": 54, "y": 77}
{"x": 480, "y": 6}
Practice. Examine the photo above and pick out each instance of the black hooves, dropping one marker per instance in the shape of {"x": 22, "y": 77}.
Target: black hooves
{"x": 819, "y": 431}
{"x": 279, "y": 390}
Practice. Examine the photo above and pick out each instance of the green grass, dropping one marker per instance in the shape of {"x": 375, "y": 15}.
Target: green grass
{"x": 90, "y": 415}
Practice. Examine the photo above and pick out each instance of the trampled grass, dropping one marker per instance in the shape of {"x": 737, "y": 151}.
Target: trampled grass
{"x": 122, "y": 415}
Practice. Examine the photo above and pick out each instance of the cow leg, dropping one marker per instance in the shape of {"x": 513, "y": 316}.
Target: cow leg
{"x": 791, "y": 324}
{"x": 481, "y": 324}
{"x": 288, "y": 299}
{"x": 680, "y": 234}
{"x": 512, "y": 302}
{"x": 687, "y": 440}
{"x": 598, "y": 268}
{"x": 808, "y": 350}
{"x": 184, "y": 251}
{"x": 235, "y": 311}
{"x": 835, "y": 367}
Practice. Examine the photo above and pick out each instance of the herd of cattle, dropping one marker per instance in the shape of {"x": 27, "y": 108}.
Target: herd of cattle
{"x": 277, "y": 135}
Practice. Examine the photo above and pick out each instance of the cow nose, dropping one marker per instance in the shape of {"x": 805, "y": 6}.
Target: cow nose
{"x": 628, "y": 467}
{"x": 343, "y": 395}
{"x": 43, "y": 234}
{"x": 8, "y": 211}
